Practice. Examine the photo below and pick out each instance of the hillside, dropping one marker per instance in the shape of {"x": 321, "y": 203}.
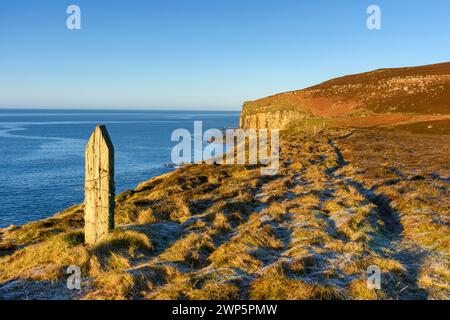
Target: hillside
{"x": 343, "y": 200}
{"x": 422, "y": 91}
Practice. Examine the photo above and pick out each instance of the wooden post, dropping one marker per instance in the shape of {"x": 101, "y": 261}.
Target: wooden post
{"x": 98, "y": 186}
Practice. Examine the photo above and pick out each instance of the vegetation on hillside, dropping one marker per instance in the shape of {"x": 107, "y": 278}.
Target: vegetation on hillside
{"x": 343, "y": 199}
{"x": 413, "y": 90}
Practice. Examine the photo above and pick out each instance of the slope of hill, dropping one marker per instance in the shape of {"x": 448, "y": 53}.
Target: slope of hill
{"x": 343, "y": 200}
{"x": 421, "y": 91}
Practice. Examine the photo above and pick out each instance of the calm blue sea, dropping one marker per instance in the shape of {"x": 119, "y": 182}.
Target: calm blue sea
{"x": 42, "y": 153}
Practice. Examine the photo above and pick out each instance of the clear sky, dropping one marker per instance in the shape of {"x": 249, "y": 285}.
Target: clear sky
{"x": 203, "y": 54}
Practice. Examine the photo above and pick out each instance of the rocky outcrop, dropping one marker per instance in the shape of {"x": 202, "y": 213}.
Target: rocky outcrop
{"x": 270, "y": 120}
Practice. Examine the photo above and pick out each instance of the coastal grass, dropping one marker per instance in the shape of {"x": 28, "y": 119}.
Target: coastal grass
{"x": 343, "y": 200}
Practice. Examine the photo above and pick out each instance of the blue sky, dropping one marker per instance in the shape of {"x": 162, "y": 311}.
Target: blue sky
{"x": 203, "y": 54}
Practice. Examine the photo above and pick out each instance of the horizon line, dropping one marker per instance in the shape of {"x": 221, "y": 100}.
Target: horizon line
{"x": 118, "y": 109}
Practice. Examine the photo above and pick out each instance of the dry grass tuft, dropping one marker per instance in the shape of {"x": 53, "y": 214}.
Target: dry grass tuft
{"x": 191, "y": 249}
{"x": 273, "y": 284}
{"x": 112, "y": 285}
{"x": 46, "y": 260}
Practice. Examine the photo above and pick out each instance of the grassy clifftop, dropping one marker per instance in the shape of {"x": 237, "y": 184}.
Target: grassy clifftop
{"x": 343, "y": 200}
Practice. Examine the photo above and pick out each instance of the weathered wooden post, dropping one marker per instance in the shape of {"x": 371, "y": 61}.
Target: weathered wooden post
{"x": 98, "y": 186}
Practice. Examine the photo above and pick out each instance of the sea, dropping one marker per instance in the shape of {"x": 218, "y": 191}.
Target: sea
{"x": 42, "y": 153}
